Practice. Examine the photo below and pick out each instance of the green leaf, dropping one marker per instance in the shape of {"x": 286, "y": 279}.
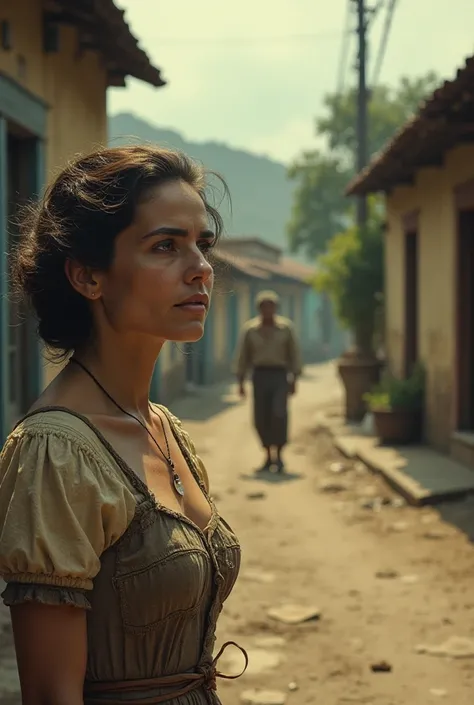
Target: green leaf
{"x": 351, "y": 272}
{"x": 320, "y": 209}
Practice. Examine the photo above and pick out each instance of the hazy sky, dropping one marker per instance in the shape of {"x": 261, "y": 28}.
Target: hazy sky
{"x": 253, "y": 73}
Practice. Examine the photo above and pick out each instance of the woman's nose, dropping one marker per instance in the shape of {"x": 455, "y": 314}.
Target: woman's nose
{"x": 200, "y": 267}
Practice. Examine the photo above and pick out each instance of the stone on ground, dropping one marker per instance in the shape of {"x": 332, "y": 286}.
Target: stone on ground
{"x": 294, "y": 614}
{"x": 263, "y": 697}
{"x": 454, "y": 647}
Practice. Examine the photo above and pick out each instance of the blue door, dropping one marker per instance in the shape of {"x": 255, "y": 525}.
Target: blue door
{"x": 23, "y": 120}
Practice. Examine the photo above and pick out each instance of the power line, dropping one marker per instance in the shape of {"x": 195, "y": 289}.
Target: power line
{"x": 384, "y": 41}
{"x": 345, "y": 46}
{"x": 244, "y": 40}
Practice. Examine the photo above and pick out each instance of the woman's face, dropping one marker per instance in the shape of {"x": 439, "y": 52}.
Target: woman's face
{"x": 160, "y": 281}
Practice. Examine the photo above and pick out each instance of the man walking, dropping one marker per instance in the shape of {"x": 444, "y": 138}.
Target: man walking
{"x": 268, "y": 348}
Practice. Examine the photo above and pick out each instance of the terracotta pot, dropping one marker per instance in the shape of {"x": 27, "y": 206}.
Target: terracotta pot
{"x": 358, "y": 375}
{"x": 398, "y": 427}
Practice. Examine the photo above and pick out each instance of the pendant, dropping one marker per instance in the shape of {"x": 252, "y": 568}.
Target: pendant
{"x": 178, "y": 485}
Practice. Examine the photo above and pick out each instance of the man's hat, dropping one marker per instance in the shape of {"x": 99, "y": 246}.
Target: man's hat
{"x": 267, "y": 295}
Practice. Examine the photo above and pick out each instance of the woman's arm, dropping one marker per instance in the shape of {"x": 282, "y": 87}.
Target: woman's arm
{"x": 51, "y": 649}
{"x": 76, "y": 508}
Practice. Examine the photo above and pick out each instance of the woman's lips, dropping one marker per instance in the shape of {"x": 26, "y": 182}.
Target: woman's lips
{"x": 193, "y": 307}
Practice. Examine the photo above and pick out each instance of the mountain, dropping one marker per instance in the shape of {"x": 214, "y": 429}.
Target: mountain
{"x": 260, "y": 191}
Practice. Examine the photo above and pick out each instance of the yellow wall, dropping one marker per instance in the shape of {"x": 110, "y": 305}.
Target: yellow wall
{"x": 433, "y": 194}
{"x": 72, "y": 85}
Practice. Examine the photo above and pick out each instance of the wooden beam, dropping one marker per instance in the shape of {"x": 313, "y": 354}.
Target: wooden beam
{"x": 116, "y": 79}
{"x": 98, "y": 36}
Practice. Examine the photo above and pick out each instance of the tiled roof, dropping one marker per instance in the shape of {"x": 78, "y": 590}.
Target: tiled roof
{"x": 443, "y": 120}
{"x": 231, "y": 242}
{"x": 104, "y": 25}
{"x": 244, "y": 265}
{"x": 263, "y": 269}
{"x": 298, "y": 269}
{"x": 286, "y": 268}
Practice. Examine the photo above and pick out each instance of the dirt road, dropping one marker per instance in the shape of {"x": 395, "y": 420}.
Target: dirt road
{"x": 386, "y": 582}
{"x": 386, "y": 578}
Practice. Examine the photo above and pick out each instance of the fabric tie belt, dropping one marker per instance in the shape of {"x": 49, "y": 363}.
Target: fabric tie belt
{"x": 205, "y": 676}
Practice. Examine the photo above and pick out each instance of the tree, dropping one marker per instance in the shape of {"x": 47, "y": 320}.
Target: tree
{"x": 319, "y": 206}
{"x": 350, "y": 272}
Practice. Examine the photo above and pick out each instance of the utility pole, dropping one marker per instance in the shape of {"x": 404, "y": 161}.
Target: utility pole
{"x": 362, "y": 99}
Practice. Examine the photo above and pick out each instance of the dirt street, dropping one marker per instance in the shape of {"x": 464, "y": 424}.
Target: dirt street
{"x": 386, "y": 579}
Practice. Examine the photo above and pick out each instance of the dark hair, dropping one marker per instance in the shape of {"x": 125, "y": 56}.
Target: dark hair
{"x": 89, "y": 203}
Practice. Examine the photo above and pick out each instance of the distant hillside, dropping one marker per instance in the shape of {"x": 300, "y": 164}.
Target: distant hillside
{"x": 261, "y": 193}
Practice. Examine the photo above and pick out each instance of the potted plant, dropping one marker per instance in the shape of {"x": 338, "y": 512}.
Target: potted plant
{"x": 397, "y": 408}
{"x": 351, "y": 273}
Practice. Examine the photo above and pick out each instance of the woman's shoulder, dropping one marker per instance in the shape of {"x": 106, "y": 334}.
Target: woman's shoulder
{"x": 175, "y": 423}
{"x": 60, "y": 427}
{"x": 53, "y": 472}
{"x": 68, "y": 444}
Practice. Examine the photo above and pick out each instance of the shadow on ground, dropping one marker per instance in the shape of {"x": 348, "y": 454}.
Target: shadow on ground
{"x": 275, "y": 478}
{"x": 204, "y": 403}
{"x": 459, "y": 513}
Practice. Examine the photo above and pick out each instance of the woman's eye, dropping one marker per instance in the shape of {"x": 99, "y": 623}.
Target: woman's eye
{"x": 206, "y": 246}
{"x": 170, "y": 246}
{"x": 164, "y": 246}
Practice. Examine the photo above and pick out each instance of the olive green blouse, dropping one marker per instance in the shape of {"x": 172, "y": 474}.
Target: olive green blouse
{"x": 79, "y": 527}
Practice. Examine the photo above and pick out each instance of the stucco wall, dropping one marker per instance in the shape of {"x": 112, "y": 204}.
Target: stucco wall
{"x": 433, "y": 195}
{"x": 72, "y": 84}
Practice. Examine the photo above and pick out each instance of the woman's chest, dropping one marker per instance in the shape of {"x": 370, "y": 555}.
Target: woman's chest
{"x": 166, "y": 568}
{"x": 156, "y": 460}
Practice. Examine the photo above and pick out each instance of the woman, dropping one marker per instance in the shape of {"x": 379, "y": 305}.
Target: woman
{"x": 116, "y": 561}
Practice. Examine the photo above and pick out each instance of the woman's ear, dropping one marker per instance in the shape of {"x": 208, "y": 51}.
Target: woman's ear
{"x": 82, "y": 280}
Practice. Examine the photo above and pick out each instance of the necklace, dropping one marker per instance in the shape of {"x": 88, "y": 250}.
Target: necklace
{"x": 177, "y": 484}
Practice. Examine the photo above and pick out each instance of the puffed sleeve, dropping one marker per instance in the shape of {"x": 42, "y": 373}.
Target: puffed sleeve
{"x": 189, "y": 445}
{"x": 61, "y": 507}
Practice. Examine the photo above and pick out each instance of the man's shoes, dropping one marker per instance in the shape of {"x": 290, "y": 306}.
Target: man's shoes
{"x": 266, "y": 467}
{"x": 280, "y": 466}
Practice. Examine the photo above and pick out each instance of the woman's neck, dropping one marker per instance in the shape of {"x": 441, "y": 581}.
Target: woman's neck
{"x": 125, "y": 371}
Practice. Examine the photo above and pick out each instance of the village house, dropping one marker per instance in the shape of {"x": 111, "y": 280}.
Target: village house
{"x": 57, "y": 59}
{"x": 427, "y": 175}
{"x": 244, "y": 266}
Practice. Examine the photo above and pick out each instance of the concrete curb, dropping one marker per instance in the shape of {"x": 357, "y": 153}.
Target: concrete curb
{"x": 390, "y": 463}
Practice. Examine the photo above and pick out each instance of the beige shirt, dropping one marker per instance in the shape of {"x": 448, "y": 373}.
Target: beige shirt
{"x": 276, "y": 347}
{"x": 79, "y": 527}
{"x": 78, "y": 503}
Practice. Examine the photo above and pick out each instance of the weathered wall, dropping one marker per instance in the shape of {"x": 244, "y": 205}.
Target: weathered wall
{"x": 433, "y": 195}
{"x": 73, "y": 85}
